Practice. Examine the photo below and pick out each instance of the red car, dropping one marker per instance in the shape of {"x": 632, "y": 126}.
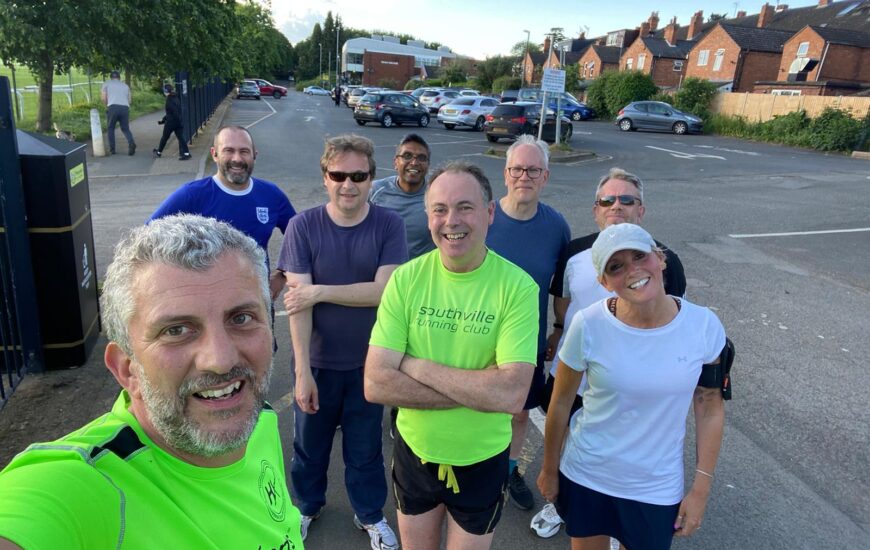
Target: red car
{"x": 267, "y": 88}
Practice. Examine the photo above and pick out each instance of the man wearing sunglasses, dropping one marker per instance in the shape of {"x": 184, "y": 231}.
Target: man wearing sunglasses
{"x": 618, "y": 199}
{"x": 405, "y": 191}
{"x": 337, "y": 259}
{"x": 532, "y": 235}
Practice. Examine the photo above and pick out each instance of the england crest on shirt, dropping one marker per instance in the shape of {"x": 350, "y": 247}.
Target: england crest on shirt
{"x": 263, "y": 214}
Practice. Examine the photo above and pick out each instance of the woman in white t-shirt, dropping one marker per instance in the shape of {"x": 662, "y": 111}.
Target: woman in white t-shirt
{"x": 621, "y": 472}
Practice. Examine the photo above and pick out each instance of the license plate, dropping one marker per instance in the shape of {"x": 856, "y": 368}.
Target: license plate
{"x": 449, "y": 111}
{"x": 500, "y": 130}
{"x": 365, "y": 108}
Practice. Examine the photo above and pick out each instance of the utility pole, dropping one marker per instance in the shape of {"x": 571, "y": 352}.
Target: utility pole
{"x": 544, "y": 103}
{"x": 337, "y": 56}
{"x": 524, "y": 58}
{"x": 320, "y": 65}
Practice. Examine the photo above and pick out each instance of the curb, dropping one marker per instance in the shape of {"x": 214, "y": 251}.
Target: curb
{"x": 865, "y": 155}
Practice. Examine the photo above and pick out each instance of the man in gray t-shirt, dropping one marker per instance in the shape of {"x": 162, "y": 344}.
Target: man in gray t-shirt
{"x": 404, "y": 192}
{"x": 116, "y": 97}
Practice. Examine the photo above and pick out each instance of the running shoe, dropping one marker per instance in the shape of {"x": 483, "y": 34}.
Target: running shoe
{"x": 380, "y": 533}
{"x": 520, "y": 493}
{"x": 547, "y": 522}
{"x": 306, "y": 523}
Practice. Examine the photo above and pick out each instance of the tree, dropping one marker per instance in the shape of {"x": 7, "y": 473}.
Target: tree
{"x": 716, "y": 17}
{"x": 695, "y": 96}
{"x": 455, "y": 72}
{"x": 519, "y": 49}
{"x": 492, "y": 68}
{"x": 627, "y": 86}
{"x": 557, "y": 34}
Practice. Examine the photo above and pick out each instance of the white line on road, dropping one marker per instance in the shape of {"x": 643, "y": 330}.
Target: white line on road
{"x": 538, "y": 419}
{"x": 793, "y": 233}
{"x": 261, "y": 119}
{"x": 682, "y": 155}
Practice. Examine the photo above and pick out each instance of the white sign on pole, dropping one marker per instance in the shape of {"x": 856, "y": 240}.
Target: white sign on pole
{"x": 553, "y": 81}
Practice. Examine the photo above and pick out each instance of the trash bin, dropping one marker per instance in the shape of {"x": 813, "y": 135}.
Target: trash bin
{"x": 58, "y": 205}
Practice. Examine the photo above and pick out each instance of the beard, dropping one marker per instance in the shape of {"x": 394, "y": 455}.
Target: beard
{"x": 236, "y": 178}
{"x": 167, "y": 412}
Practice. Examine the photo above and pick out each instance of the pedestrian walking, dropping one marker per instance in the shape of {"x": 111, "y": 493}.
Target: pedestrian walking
{"x": 116, "y": 96}
{"x": 172, "y": 123}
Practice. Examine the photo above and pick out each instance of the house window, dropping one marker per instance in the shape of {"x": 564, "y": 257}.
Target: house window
{"x": 678, "y": 66}
{"x": 641, "y": 61}
{"x": 613, "y": 39}
{"x": 717, "y": 61}
{"x": 702, "y": 57}
{"x": 629, "y": 63}
{"x": 356, "y": 58}
{"x": 785, "y": 92}
{"x": 802, "y": 49}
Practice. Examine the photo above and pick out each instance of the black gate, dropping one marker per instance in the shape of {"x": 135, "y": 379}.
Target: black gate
{"x": 199, "y": 101}
{"x": 20, "y": 337}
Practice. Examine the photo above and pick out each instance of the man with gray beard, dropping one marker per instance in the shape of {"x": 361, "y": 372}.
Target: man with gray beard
{"x": 189, "y": 446}
{"x": 251, "y": 205}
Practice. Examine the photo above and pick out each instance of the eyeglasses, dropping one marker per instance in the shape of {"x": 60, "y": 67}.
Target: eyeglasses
{"x": 609, "y": 200}
{"x": 339, "y": 177}
{"x": 408, "y": 157}
{"x": 533, "y": 172}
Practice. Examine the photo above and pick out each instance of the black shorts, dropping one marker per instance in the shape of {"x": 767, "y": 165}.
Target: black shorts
{"x": 536, "y": 389}
{"x": 637, "y": 525}
{"x": 547, "y": 394}
{"x": 476, "y": 507}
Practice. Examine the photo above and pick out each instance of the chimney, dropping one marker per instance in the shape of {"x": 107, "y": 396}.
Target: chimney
{"x": 547, "y": 46}
{"x": 644, "y": 29}
{"x": 765, "y": 15}
{"x": 670, "y": 32}
{"x": 695, "y": 25}
{"x": 824, "y": 3}
{"x": 781, "y": 7}
{"x": 582, "y": 36}
{"x": 742, "y": 13}
{"x": 653, "y": 21}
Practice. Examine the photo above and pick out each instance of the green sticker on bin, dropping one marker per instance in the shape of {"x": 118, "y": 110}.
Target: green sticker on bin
{"x": 76, "y": 175}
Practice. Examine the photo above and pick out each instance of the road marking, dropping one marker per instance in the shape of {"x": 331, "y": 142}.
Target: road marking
{"x": 725, "y": 149}
{"x": 793, "y": 233}
{"x": 309, "y": 118}
{"x": 601, "y": 158}
{"x": 538, "y": 419}
{"x": 261, "y": 119}
{"x": 682, "y": 155}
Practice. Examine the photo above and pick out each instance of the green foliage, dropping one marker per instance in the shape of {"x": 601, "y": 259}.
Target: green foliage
{"x": 832, "y": 130}
{"x": 695, "y": 96}
{"x": 492, "y": 68}
{"x": 596, "y": 94}
{"x": 435, "y": 82}
{"x": 572, "y": 78}
{"x": 519, "y": 49}
{"x": 663, "y": 96}
{"x": 506, "y": 83}
{"x": 77, "y": 118}
{"x": 413, "y": 84}
{"x": 627, "y": 86}
{"x": 388, "y": 83}
{"x": 454, "y": 72}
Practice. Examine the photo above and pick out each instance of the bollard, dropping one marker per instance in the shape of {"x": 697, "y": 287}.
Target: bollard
{"x": 97, "y": 134}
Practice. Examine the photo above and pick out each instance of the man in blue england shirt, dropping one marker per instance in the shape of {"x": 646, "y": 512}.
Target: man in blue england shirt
{"x": 532, "y": 235}
{"x": 251, "y": 205}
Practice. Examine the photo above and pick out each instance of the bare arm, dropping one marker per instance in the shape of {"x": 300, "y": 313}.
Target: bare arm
{"x": 499, "y": 388}
{"x": 8, "y": 545}
{"x": 558, "y": 415}
{"x": 276, "y": 283}
{"x": 104, "y": 96}
{"x": 300, "y": 333}
{"x": 386, "y": 384}
{"x": 709, "y": 408}
{"x": 560, "y": 309}
{"x": 303, "y": 295}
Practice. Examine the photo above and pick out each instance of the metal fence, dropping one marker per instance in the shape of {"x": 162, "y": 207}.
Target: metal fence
{"x": 199, "y": 101}
{"x": 20, "y": 339}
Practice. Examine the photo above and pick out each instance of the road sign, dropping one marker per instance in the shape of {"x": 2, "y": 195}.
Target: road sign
{"x": 553, "y": 81}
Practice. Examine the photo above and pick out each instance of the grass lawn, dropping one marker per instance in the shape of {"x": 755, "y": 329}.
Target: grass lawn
{"x": 72, "y": 112}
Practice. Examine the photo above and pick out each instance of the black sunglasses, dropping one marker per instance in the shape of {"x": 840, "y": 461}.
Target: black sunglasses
{"x": 624, "y": 200}
{"x": 339, "y": 177}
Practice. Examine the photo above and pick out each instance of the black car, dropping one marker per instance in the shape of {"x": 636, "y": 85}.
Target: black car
{"x": 510, "y": 120}
{"x": 390, "y": 108}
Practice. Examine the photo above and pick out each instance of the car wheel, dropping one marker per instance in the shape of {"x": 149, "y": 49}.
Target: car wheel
{"x": 277, "y": 94}
{"x": 576, "y": 115}
{"x": 491, "y": 139}
{"x": 423, "y": 122}
{"x": 387, "y": 121}
{"x": 478, "y": 124}
{"x": 361, "y": 122}
{"x": 625, "y": 124}
{"x": 450, "y": 126}
{"x": 680, "y": 127}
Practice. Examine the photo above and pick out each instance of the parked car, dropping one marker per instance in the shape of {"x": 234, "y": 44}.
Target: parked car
{"x": 510, "y": 120}
{"x": 416, "y": 93}
{"x": 354, "y": 96}
{"x": 434, "y": 99}
{"x": 509, "y": 96}
{"x": 469, "y": 92}
{"x": 267, "y": 88}
{"x": 248, "y": 88}
{"x": 657, "y": 115}
{"x": 390, "y": 108}
{"x": 315, "y": 90}
{"x": 346, "y": 90}
{"x": 466, "y": 111}
{"x": 575, "y": 110}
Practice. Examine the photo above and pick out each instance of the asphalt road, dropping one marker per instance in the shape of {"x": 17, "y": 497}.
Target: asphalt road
{"x": 792, "y": 473}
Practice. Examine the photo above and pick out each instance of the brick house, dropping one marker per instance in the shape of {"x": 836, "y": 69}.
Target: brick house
{"x": 384, "y": 67}
{"x": 660, "y": 56}
{"x": 598, "y": 59}
{"x": 736, "y": 57}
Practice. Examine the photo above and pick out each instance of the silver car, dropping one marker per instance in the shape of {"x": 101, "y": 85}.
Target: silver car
{"x": 434, "y": 99}
{"x": 466, "y": 111}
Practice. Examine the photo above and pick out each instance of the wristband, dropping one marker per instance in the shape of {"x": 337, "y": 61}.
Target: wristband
{"x": 702, "y": 472}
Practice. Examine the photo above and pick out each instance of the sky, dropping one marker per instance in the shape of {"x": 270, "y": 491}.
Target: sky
{"x": 482, "y": 28}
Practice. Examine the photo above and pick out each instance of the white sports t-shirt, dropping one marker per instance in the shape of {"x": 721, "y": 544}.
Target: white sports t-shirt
{"x": 627, "y": 440}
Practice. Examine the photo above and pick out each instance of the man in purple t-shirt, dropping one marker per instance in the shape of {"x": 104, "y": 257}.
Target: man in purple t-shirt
{"x": 337, "y": 259}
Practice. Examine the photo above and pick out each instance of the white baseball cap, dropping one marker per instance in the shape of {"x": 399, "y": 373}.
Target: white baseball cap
{"x": 622, "y": 236}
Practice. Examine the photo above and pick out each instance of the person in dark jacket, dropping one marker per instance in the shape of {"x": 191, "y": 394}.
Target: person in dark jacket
{"x": 172, "y": 124}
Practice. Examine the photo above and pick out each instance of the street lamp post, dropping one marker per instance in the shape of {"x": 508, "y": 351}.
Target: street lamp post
{"x": 320, "y": 66}
{"x": 525, "y": 56}
{"x": 337, "y": 56}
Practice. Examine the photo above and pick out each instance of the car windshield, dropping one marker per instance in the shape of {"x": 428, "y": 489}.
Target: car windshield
{"x": 508, "y": 110}
{"x": 358, "y": 91}
{"x": 463, "y": 102}
{"x": 370, "y": 98}
{"x": 431, "y": 93}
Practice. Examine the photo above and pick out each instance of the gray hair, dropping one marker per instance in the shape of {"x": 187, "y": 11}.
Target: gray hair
{"x": 620, "y": 174}
{"x": 528, "y": 139}
{"x": 464, "y": 167}
{"x": 186, "y": 241}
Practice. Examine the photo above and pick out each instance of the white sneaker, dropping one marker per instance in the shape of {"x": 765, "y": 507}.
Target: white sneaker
{"x": 306, "y": 523}
{"x": 382, "y": 535}
{"x": 547, "y": 522}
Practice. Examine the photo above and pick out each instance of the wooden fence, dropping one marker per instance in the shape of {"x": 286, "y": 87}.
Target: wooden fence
{"x": 762, "y": 107}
